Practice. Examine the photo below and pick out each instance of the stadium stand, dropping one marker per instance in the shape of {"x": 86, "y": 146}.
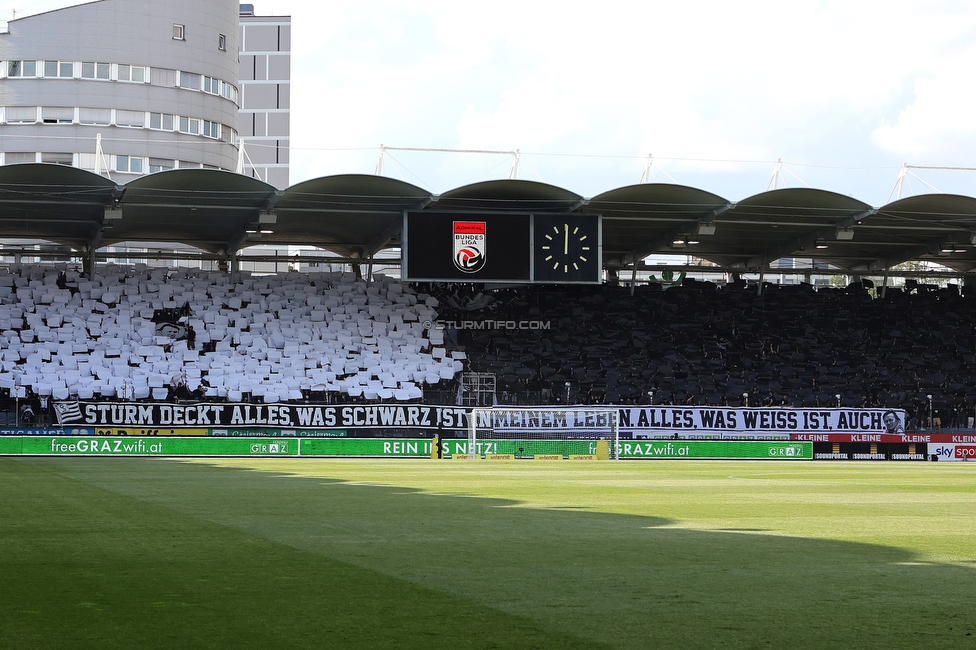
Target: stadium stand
{"x": 152, "y": 334}
{"x": 138, "y": 333}
{"x": 700, "y": 343}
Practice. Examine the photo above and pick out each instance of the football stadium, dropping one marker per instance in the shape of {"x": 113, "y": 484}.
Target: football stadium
{"x": 476, "y": 451}
{"x": 354, "y": 413}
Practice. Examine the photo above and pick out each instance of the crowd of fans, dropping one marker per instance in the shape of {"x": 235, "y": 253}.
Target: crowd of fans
{"x": 700, "y": 343}
{"x": 697, "y": 343}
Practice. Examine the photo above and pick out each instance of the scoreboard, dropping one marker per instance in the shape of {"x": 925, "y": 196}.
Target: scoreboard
{"x": 551, "y": 248}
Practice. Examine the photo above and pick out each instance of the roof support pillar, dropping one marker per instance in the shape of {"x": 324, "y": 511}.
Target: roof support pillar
{"x": 88, "y": 263}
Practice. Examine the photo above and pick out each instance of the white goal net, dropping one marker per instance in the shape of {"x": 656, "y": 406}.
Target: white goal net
{"x": 543, "y": 433}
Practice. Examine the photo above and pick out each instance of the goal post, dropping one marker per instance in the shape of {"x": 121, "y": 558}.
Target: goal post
{"x": 544, "y": 432}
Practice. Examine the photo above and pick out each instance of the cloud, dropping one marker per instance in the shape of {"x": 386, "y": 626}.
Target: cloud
{"x": 937, "y": 125}
{"x": 703, "y": 85}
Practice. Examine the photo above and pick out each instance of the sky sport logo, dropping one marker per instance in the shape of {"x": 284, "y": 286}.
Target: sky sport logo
{"x": 470, "y": 251}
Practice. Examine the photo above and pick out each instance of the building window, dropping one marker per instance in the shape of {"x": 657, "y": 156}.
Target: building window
{"x": 92, "y": 70}
{"x": 189, "y": 80}
{"x": 159, "y": 165}
{"x": 63, "y": 69}
{"x": 189, "y": 125}
{"x": 22, "y": 69}
{"x": 211, "y": 129}
{"x": 57, "y": 115}
{"x": 21, "y": 114}
{"x": 161, "y": 121}
{"x": 12, "y": 157}
{"x": 218, "y": 87}
{"x": 130, "y": 118}
{"x": 222, "y": 43}
{"x": 179, "y": 32}
{"x": 95, "y": 116}
{"x": 136, "y": 73}
{"x": 57, "y": 158}
{"x": 163, "y": 77}
{"x": 86, "y": 161}
{"x": 129, "y": 164}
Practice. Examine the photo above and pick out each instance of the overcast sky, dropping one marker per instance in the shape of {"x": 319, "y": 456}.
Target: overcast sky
{"x": 843, "y": 91}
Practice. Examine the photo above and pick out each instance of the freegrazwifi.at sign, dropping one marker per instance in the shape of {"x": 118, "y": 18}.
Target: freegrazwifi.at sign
{"x": 745, "y": 449}
{"x": 218, "y": 446}
{"x": 389, "y": 447}
{"x": 146, "y": 446}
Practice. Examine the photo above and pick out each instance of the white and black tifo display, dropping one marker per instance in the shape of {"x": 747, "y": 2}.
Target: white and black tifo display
{"x": 502, "y": 247}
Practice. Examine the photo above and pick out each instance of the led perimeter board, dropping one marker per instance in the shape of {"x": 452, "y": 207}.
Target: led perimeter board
{"x": 502, "y": 247}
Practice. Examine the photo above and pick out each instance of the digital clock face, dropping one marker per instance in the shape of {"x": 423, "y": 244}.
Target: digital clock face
{"x": 567, "y": 248}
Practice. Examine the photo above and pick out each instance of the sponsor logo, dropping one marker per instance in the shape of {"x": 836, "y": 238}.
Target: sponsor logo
{"x": 270, "y": 448}
{"x": 789, "y": 451}
{"x": 966, "y": 452}
{"x": 470, "y": 246}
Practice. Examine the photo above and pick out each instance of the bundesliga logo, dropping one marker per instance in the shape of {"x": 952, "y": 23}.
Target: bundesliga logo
{"x": 469, "y": 246}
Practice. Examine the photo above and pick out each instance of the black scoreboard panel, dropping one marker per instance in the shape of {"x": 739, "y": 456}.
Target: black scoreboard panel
{"x": 502, "y": 247}
{"x": 466, "y": 247}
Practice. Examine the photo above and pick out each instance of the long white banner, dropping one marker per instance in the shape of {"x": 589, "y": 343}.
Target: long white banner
{"x": 634, "y": 422}
{"x": 651, "y": 422}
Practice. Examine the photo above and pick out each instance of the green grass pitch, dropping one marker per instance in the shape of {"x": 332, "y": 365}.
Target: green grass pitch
{"x": 239, "y": 553}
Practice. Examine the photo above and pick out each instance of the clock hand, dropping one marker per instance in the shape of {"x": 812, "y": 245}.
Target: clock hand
{"x": 566, "y": 240}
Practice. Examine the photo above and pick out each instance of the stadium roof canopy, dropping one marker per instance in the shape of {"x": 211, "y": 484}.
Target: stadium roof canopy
{"x": 356, "y": 216}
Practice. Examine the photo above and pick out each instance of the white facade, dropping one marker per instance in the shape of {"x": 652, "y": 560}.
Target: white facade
{"x": 157, "y": 81}
{"x": 265, "y": 86}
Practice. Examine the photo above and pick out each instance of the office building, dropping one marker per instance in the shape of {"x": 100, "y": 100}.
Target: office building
{"x": 265, "y": 95}
{"x": 122, "y": 87}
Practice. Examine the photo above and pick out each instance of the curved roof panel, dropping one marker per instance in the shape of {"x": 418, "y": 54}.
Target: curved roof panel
{"x": 205, "y": 208}
{"x": 53, "y": 202}
{"x": 514, "y": 195}
{"x": 779, "y": 223}
{"x": 924, "y": 227}
{"x": 352, "y": 214}
{"x": 641, "y": 219}
{"x": 356, "y": 215}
